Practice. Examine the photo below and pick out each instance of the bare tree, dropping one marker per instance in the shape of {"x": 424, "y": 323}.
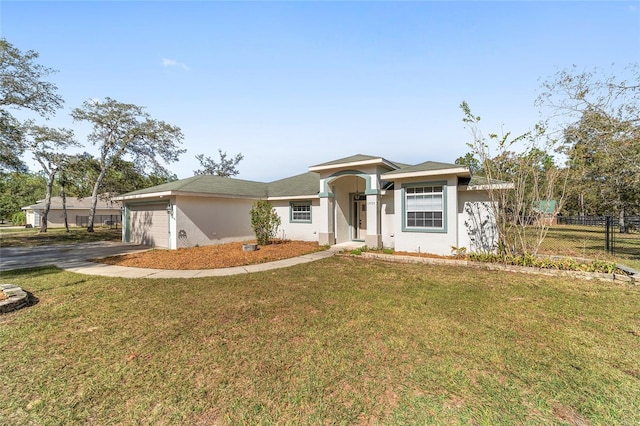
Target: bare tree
{"x": 226, "y": 167}
{"x": 598, "y": 115}
{"x": 520, "y": 185}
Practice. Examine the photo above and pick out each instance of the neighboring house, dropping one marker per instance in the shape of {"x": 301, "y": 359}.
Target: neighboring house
{"x": 107, "y": 212}
{"x": 428, "y": 207}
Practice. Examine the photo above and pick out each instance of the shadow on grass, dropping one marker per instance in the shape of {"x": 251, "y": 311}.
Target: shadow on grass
{"x": 32, "y": 300}
{"x": 35, "y": 272}
{"x": 59, "y": 236}
{"x": 628, "y": 252}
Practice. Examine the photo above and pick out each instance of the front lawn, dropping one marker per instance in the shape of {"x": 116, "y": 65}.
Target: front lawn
{"x": 338, "y": 341}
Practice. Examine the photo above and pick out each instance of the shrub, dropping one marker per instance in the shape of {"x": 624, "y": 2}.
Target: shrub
{"x": 358, "y": 251}
{"x": 19, "y": 218}
{"x": 264, "y": 221}
{"x": 458, "y": 252}
{"x": 566, "y": 264}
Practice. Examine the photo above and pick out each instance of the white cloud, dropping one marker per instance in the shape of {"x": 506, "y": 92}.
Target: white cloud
{"x": 173, "y": 63}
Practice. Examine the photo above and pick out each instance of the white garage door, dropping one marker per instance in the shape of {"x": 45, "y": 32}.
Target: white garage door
{"x": 149, "y": 225}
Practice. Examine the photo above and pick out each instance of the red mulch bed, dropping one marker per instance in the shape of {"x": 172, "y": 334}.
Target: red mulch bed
{"x": 213, "y": 256}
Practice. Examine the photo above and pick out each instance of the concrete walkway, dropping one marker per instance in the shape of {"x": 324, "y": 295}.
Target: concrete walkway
{"x": 74, "y": 258}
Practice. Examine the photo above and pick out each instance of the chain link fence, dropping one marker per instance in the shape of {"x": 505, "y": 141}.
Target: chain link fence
{"x": 110, "y": 220}
{"x": 593, "y": 237}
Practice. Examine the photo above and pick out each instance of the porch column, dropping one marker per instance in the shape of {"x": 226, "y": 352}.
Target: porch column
{"x": 326, "y": 234}
{"x": 374, "y": 227}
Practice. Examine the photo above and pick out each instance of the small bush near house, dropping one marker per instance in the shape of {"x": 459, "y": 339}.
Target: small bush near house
{"x": 358, "y": 251}
{"x": 264, "y": 221}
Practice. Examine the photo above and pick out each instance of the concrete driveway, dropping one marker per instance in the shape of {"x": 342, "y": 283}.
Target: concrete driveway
{"x": 64, "y": 256}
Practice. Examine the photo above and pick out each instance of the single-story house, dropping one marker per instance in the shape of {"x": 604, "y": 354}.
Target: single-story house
{"x": 107, "y": 212}
{"x": 428, "y": 207}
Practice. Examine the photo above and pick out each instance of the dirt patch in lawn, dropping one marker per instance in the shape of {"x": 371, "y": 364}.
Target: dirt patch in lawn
{"x": 213, "y": 256}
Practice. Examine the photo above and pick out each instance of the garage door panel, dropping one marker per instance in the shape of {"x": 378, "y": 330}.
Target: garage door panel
{"x": 149, "y": 225}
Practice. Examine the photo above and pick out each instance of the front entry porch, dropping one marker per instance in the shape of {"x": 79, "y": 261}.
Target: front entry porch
{"x": 351, "y": 200}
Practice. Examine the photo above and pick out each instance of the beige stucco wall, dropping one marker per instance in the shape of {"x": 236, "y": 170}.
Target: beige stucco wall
{"x": 55, "y": 218}
{"x": 476, "y": 226}
{"x": 388, "y": 220}
{"x": 206, "y": 221}
{"x": 296, "y": 230}
{"x": 428, "y": 242}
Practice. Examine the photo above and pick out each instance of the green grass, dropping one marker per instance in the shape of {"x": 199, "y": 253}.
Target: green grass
{"x": 589, "y": 241}
{"x": 21, "y": 237}
{"x": 339, "y": 341}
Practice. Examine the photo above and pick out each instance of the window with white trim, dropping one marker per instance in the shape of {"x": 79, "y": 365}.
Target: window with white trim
{"x": 424, "y": 207}
{"x": 300, "y": 211}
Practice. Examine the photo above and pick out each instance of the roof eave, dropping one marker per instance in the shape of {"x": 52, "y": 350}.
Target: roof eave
{"x": 292, "y": 197}
{"x": 487, "y": 187}
{"x": 145, "y": 195}
{"x": 189, "y": 194}
{"x": 370, "y": 162}
{"x": 458, "y": 171}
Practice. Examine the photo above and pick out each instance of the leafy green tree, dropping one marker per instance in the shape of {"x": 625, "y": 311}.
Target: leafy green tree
{"x": 605, "y": 170}
{"x": 158, "y": 178}
{"x": 264, "y": 221}
{"x": 598, "y": 115}
{"x": 11, "y": 147}
{"x": 48, "y": 147}
{"x": 19, "y": 219}
{"x": 78, "y": 172}
{"x": 125, "y": 130}
{"x": 18, "y": 190}
{"x": 226, "y": 167}
{"x": 470, "y": 161}
{"x": 122, "y": 177}
{"x": 520, "y": 177}
{"x": 22, "y": 86}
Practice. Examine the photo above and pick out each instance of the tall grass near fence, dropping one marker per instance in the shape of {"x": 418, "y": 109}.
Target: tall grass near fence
{"x": 589, "y": 242}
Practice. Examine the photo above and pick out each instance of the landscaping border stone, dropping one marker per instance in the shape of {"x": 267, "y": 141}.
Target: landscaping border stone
{"x": 633, "y": 279}
{"x": 16, "y": 298}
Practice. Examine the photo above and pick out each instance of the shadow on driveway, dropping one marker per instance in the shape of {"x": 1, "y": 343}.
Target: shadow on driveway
{"x": 62, "y": 255}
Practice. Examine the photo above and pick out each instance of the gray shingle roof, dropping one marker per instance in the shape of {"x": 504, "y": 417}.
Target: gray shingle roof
{"x": 208, "y": 184}
{"x": 351, "y": 159}
{"x": 300, "y": 185}
{"x": 74, "y": 203}
{"x": 304, "y": 184}
{"x": 424, "y": 167}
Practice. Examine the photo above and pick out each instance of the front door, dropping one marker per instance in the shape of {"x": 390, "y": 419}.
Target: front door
{"x": 359, "y": 218}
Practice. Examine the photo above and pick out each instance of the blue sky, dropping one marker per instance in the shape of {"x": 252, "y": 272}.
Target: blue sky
{"x": 293, "y": 84}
